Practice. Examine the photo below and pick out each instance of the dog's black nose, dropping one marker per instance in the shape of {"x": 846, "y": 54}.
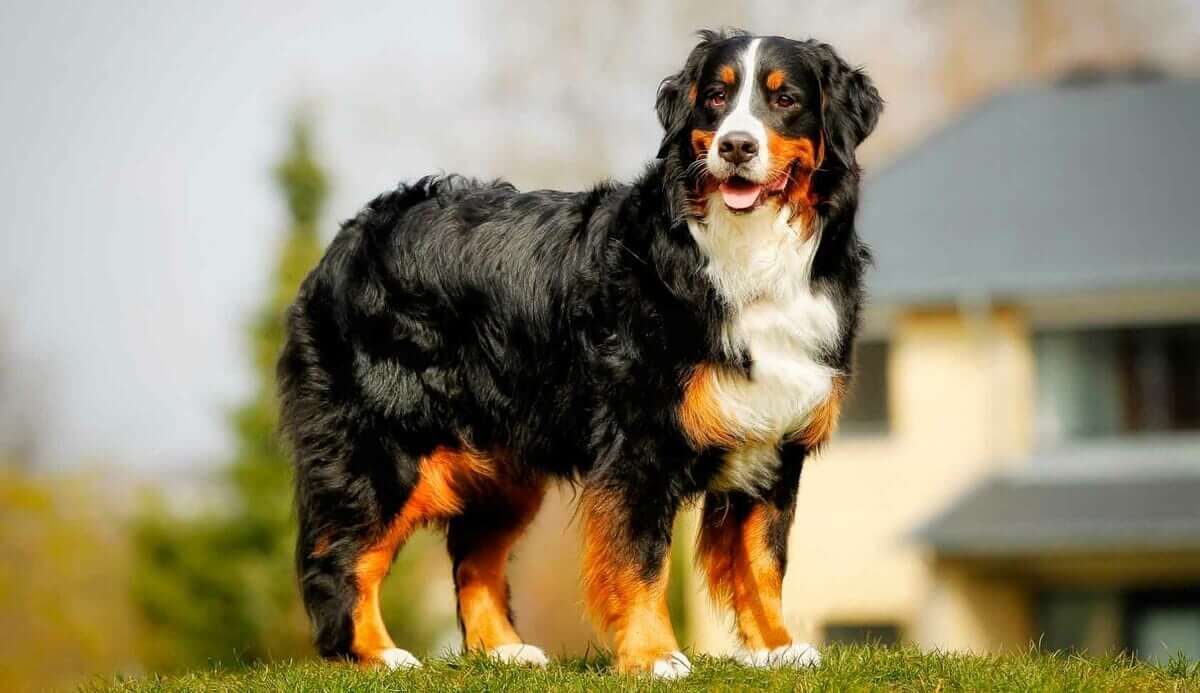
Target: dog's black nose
{"x": 737, "y": 147}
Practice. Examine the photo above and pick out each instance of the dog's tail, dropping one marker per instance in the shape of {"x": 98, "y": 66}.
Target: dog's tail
{"x": 308, "y": 424}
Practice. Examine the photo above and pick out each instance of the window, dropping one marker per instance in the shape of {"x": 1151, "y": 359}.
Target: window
{"x": 862, "y": 633}
{"x": 1153, "y": 624}
{"x": 1162, "y": 624}
{"x": 1117, "y": 381}
{"x": 866, "y": 409}
{"x": 1079, "y": 621}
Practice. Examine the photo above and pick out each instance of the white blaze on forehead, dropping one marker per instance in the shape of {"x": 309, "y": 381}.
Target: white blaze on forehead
{"x": 741, "y": 119}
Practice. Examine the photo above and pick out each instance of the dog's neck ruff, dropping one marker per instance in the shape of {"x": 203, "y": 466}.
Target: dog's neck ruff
{"x": 761, "y": 265}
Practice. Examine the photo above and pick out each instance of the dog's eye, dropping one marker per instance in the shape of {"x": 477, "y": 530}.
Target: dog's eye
{"x": 784, "y": 101}
{"x": 716, "y": 99}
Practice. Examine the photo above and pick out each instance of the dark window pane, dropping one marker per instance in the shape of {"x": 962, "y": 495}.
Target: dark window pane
{"x": 1079, "y": 621}
{"x": 1154, "y": 624}
{"x": 1164, "y": 623}
{"x": 1159, "y": 369}
{"x": 867, "y": 406}
{"x": 860, "y": 633}
{"x": 1115, "y": 381}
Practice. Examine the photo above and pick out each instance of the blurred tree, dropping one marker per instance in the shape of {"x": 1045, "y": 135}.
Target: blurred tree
{"x": 220, "y": 585}
{"x": 65, "y": 612}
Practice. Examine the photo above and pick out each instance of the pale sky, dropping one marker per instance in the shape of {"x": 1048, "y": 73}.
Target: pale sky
{"x": 138, "y": 211}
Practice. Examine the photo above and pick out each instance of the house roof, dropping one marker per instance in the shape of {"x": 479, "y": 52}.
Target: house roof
{"x": 1107, "y": 497}
{"x": 1044, "y": 190}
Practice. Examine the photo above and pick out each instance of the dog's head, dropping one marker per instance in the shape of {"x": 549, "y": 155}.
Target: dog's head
{"x": 751, "y": 118}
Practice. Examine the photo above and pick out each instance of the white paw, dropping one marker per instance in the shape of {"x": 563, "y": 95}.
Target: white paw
{"x": 796, "y": 655}
{"x": 673, "y": 666}
{"x": 520, "y": 653}
{"x": 395, "y": 658}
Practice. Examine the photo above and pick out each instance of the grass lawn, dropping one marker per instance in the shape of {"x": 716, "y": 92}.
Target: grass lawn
{"x": 845, "y": 668}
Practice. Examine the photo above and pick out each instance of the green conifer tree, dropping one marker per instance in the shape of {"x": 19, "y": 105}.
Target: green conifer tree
{"x": 220, "y": 586}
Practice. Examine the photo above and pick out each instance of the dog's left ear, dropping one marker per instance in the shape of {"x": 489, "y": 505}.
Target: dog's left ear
{"x": 674, "y": 103}
{"x": 850, "y": 104}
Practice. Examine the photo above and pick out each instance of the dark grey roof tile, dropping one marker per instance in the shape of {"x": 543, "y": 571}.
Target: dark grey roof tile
{"x": 1014, "y": 517}
{"x": 1050, "y": 189}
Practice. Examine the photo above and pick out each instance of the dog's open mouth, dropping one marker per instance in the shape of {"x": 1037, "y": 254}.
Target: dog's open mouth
{"x": 743, "y": 195}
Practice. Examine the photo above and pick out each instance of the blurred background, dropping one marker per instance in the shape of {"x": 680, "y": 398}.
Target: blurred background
{"x": 1021, "y": 458}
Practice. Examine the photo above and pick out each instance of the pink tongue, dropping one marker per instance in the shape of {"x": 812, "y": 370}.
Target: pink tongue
{"x": 740, "y": 196}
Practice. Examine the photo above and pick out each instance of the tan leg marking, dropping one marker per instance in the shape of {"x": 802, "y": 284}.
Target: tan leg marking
{"x": 620, "y": 600}
{"x": 744, "y": 575}
{"x": 446, "y": 475}
{"x": 481, "y": 579}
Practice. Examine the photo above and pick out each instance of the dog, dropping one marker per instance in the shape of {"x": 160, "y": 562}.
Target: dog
{"x": 687, "y": 336}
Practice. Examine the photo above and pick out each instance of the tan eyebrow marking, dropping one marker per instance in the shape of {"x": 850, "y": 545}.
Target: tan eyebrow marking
{"x": 692, "y": 93}
{"x": 726, "y": 74}
{"x": 775, "y": 80}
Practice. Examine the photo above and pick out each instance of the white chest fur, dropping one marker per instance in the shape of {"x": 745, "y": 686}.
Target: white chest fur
{"x": 761, "y": 265}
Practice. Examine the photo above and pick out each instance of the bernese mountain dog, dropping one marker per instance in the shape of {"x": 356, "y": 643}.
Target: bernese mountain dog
{"x": 686, "y": 336}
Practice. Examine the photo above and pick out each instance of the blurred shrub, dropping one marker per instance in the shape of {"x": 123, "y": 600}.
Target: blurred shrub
{"x": 64, "y": 604}
{"x": 220, "y": 585}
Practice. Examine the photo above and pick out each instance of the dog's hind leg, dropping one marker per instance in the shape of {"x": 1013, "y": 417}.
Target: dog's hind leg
{"x": 344, "y": 550}
{"x": 370, "y": 641}
{"x": 480, "y": 541}
{"x": 343, "y": 564}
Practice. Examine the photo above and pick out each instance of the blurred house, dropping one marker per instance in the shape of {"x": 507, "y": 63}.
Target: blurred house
{"x": 1021, "y": 458}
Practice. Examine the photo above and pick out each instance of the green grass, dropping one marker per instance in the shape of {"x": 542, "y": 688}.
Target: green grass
{"x": 854, "y": 668}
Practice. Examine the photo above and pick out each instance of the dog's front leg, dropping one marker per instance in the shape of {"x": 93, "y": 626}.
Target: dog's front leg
{"x": 743, "y": 550}
{"x": 626, "y": 561}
